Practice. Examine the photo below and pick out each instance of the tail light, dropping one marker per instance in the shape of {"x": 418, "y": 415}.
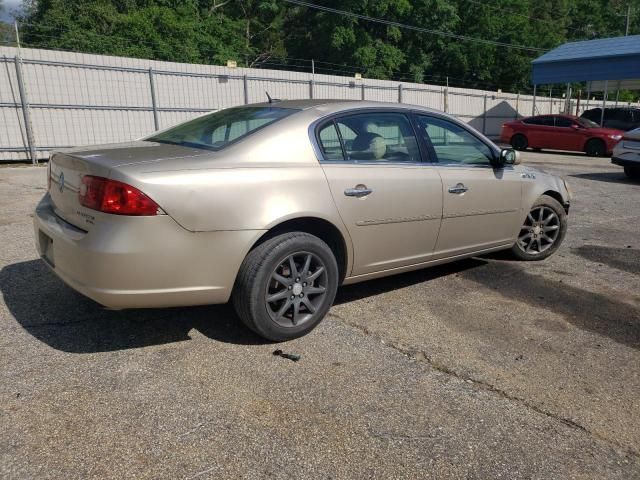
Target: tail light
{"x": 111, "y": 196}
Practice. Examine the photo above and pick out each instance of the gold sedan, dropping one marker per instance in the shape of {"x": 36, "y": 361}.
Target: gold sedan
{"x": 274, "y": 205}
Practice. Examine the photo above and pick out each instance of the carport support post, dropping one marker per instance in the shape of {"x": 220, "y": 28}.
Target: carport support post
{"x": 399, "y": 93}
{"x": 588, "y": 96}
{"x": 246, "y": 89}
{"x": 604, "y": 101}
{"x": 154, "y": 102}
{"x": 533, "y": 108}
{"x": 25, "y": 111}
{"x": 484, "y": 115}
{"x": 311, "y": 89}
{"x": 517, "y": 105}
{"x": 362, "y": 94}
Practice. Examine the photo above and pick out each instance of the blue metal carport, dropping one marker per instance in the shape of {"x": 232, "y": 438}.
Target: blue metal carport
{"x": 607, "y": 59}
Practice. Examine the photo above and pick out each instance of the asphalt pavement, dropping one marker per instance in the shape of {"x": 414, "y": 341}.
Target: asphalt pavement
{"x": 483, "y": 368}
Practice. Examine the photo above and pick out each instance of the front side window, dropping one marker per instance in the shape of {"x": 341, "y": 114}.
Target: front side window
{"x": 370, "y": 137}
{"x": 453, "y": 143}
{"x": 216, "y": 130}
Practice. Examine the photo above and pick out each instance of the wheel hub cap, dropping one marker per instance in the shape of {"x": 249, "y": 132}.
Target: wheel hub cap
{"x": 297, "y": 288}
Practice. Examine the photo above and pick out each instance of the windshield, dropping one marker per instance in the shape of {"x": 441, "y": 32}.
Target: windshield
{"x": 586, "y": 123}
{"x": 217, "y": 130}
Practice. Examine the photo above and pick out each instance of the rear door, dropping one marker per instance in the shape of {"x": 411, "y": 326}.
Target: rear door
{"x": 539, "y": 130}
{"x": 389, "y": 200}
{"x": 481, "y": 205}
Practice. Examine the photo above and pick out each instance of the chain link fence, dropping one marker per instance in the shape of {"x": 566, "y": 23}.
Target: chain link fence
{"x": 52, "y": 99}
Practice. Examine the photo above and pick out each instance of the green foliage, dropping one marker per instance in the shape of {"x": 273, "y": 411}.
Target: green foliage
{"x": 276, "y": 34}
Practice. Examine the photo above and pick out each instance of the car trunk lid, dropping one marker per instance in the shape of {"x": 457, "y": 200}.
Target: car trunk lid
{"x": 67, "y": 168}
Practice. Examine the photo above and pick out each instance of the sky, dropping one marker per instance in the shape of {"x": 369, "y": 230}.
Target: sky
{"x": 9, "y": 7}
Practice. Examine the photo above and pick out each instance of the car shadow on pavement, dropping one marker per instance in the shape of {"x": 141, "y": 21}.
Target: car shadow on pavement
{"x": 627, "y": 259}
{"x": 67, "y": 321}
{"x": 609, "y": 177}
{"x": 600, "y": 314}
{"x": 350, "y": 293}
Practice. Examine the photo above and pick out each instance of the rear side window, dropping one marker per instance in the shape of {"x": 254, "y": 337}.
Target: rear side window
{"x": 330, "y": 143}
{"x": 216, "y": 130}
{"x": 370, "y": 137}
{"x": 545, "y": 121}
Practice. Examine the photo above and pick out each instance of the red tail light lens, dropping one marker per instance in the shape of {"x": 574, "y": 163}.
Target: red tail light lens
{"x": 111, "y": 196}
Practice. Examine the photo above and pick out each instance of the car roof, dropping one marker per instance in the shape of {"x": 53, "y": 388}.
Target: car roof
{"x": 338, "y": 105}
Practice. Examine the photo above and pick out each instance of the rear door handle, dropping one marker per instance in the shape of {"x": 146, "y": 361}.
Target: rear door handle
{"x": 358, "y": 191}
{"x": 458, "y": 189}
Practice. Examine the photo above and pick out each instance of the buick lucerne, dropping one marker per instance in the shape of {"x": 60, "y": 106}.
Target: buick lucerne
{"x": 273, "y": 206}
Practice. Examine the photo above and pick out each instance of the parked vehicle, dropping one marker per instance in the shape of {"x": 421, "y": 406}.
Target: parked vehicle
{"x": 627, "y": 154}
{"x": 274, "y": 205}
{"x": 560, "y": 132}
{"x": 619, "y": 118}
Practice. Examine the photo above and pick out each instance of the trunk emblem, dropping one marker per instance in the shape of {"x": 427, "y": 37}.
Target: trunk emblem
{"x": 61, "y": 187}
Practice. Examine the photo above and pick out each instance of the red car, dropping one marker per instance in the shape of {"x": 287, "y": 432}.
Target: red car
{"x": 560, "y": 132}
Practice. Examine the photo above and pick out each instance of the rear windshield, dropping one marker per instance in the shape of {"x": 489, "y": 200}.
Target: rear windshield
{"x": 217, "y": 130}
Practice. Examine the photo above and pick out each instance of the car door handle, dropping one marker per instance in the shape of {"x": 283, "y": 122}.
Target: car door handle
{"x": 358, "y": 191}
{"x": 458, "y": 189}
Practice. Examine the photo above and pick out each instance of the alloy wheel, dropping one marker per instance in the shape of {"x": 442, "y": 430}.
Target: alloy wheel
{"x": 540, "y": 230}
{"x": 296, "y": 289}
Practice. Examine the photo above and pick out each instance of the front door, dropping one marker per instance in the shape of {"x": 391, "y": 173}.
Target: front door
{"x": 481, "y": 205}
{"x": 390, "y": 202}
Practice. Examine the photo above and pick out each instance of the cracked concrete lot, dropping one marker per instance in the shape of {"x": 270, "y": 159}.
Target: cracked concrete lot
{"x": 484, "y": 368}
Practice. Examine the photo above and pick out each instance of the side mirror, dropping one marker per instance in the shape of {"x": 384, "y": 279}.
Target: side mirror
{"x": 575, "y": 126}
{"x": 508, "y": 156}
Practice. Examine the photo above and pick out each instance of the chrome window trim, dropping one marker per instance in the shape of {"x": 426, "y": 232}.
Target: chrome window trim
{"x": 315, "y": 126}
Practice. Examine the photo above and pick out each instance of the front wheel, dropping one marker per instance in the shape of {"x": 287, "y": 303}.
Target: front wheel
{"x": 595, "y": 148}
{"x": 543, "y": 230}
{"x": 286, "y": 286}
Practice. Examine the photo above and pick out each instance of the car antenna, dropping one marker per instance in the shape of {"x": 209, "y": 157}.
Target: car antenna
{"x": 272, "y": 100}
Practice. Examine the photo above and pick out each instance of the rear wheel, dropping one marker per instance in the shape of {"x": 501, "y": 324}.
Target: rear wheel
{"x": 632, "y": 172}
{"x": 286, "y": 286}
{"x": 543, "y": 230}
{"x": 595, "y": 148}
{"x": 519, "y": 142}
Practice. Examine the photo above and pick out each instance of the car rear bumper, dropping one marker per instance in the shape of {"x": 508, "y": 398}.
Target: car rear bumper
{"x": 141, "y": 262}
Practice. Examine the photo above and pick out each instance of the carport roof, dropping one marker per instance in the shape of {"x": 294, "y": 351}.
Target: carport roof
{"x": 604, "y": 59}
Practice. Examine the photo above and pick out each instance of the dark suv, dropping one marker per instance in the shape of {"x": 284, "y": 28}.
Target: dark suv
{"x": 620, "y": 118}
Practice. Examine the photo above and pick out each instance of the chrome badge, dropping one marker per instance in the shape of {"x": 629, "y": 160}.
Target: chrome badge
{"x": 61, "y": 181}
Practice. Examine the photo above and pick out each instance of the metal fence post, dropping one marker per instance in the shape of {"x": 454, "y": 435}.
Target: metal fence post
{"x": 362, "y": 89}
{"x": 484, "y": 116}
{"x": 533, "y": 108}
{"x": 311, "y": 82}
{"x": 604, "y": 101}
{"x": 154, "y": 104}
{"x": 25, "y": 111}
{"x": 399, "y": 93}
{"x": 517, "y": 105}
{"x": 245, "y": 84}
{"x": 445, "y": 99}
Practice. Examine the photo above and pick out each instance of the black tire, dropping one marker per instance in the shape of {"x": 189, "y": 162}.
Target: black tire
{"x": 632, "y": 172}
{"x": 519, "y": 142}
{"x": 519, "y": 249}
{"x": 256, "y": 276}
{"x": 595, "y": 148}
